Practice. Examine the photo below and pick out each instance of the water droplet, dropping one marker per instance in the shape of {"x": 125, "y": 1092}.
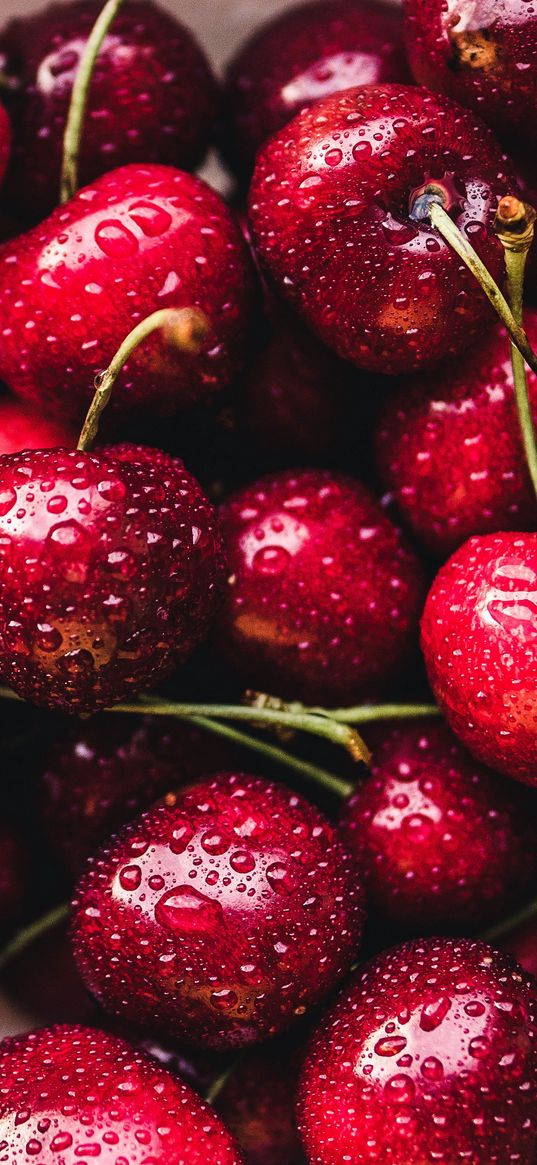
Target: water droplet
{"x": 242, "y": 861}
{"x": 186, "y": 909}
{"x": 271, "y": 560}
{"x": 390, "y": 1045}
{"x": 280, "y": 879}
{"x": 434, "y": 1012}
{"x": 8, "y": 498}
{"x": 130, "y": 877}
{"x": 115, "y": 239}
{"x": 153, "y": 220}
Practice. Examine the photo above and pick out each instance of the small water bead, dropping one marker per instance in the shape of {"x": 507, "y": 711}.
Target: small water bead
{"x": 130, "y": 877}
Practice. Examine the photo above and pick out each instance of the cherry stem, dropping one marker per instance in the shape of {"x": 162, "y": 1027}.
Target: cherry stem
{"x": 527, "y": 913}
{"x": 79, "y": 99}
{"x": 184, "y": 328}
{"x": 372, "y": 713}
{"x": 514, "y": 226}
{"x": 32, "y": 932}
{"x": 451, "y": 233}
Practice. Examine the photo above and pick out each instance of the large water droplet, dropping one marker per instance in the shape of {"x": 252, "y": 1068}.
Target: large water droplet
{"x": 115, "y": 239}
{"x": 186, "y": 910}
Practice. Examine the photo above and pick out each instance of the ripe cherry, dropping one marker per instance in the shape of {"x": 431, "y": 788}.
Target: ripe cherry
{"x": 111, "y": 571}
{"x": 141, "y": 238}
{"x": 339, "y": 209}
{"x": 431, "y": 1055}
{"x": 443, "y": 843}
{"x": 71, "y": 1093}
{"x": 22, "y": 428}
{"x": 257, "y": 1103}
{"x": 323, "y": 596}
{"x": 219, "y": 916}
{"x": 479, "y": 637}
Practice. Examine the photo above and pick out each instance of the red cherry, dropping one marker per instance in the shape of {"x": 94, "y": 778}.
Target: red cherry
{"x": 99, "y": 775}
{"x": 483, "y": 54}
{"x": 13, "y": 876}
{"x": 479, "y": 637}
{"x": 431, "y": 1055}
{"x": 308, "y": 53}
{"x": 522, "y": 945}
{"x": 323, "y": 597}
{"x": 111, "y": 570}
{"x": 339, "y": 222}
{"x": 71, "y": 1092}
{"x": 140, "y": 239}
{"x": 449, "y": 447}
{"x": 22, "y": 428}
{"x": 442, "y": 842}
{"x": 220, "y": 917}
{"x": 257, "y": 1104}
{"x": 152, "y": 96}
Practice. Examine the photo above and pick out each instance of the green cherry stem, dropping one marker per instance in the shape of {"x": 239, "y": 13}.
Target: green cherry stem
{"x": 79, "y": 99}
{"x": 183, "y": 328}
{"x": 32, "y": 932}
{"x": 372, "y": 713}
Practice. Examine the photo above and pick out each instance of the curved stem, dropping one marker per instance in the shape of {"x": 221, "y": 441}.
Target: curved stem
{"x": 527, "y": 913}
{"x": 33, "y": 931}
{"x": 79, "y": 99}
{"x": 184, "y": 328}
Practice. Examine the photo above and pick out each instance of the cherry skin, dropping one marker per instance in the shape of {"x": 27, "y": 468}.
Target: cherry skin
{"x": 304, "y": 55}
{"x": 479, "y": 638}
{"x": 257, "y": 1104}
{"x": 335, "y": 209}
{"x": 449, "y": 448}
{"x": 140, "y": 239}
{"x": 13, "y": 876}
{"x": 152, "y": 96}
{"x": 87, "y": 1094}
{"x": 430, "y": 1055}
{"x": 22, "y": 428}
{"x": 111, "y": 567}
{"x": 482, "y": 54}
{"x": 220, "y": 917}
{"x": 442, "y": 842}
{"x": 323, "y": 597}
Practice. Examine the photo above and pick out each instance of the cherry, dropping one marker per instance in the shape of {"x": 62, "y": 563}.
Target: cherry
{"x": 441, "y": 842}
{"x": 13, "y": 875}
{"x": 22, "y": 428}
{"x": 98, "y": 775}
{"x": 306, "y": 54}
{"x": 71, "y": 1092}
{"x": 449, "y": 447}
{"x": 141, "y": 238}
{"x": 483, "y": 55}
{"x": 152, "y": 96}
{"x": 256, "y": 1104}
{"x": 479, "y": 637}
{"x": 323, "y": 597}
{"x": 339, "y": 207}
{"x": 111, "y": 571}
{"x": 220, "y": 915}
{"x": 431, "y": 1055}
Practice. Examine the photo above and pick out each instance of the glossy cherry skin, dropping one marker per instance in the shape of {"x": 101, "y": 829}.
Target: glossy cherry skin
{"x": 140, "y": 239}
{"x": 13, "y": 875}
{"x": 479, "y": 638}
{"x": 111, "y": 568}
{"x": 152, "y": 96}
{"x": 323, "y": 596}
{"x": 98, "y": 775}
{"x": 257, "y": 1104}
{"x": 71, "y": 1093}
{"x": 331, "y": 206}
{"x": 443, "y": 843}
{"x": 23, "y": 428}
{"x": 483, "y": 54}
{"x": 449, "y": 449}
{"x": 220, "y": 918}
{"x": 429, "y": 1056}
{"x": 304, "y": 55}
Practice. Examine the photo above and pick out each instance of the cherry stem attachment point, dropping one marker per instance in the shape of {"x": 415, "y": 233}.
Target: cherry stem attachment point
{"x": 76, "y": 117}
{"x": 32, "y": 932}
{"x": 183, "y": 328}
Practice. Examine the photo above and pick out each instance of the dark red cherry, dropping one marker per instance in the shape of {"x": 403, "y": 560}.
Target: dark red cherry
{"x": 449, "y": 448}
{"x": 140, "y": 239}
{"x": 221, "y": 917}
{"x": 443, "y": 843}
{"x": 429, "y": 1056}
{"x": 479, "y": 637}
{"x": 23, "y": 428}
{"x": 257, "y": 1104}
{"x": 338, "y": 221}
{"x": 483, "y": 54}
{"x": 71, "y": 1094}
{"x": 303, "y": 55}
{"x": 152, "y": 96}
{"x": 323, "y": 596}
{"x": 111, "y": 569}
{"x": 14, "y": 871}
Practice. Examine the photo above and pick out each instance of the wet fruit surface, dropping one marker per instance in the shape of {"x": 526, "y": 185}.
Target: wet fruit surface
{"x": 111, "y": 572}
{"x": 219, "y": 918}
{"x": 323, "y": 595}
{"x": 152, "y": 96}
{"x": 479, "y": 637}
{"x": 442, "y": 842}
{"x": 140, "y": 239}
{"x": 332, "y": 206}
{"x": 22, "y": 428}
{"x": 72, "y": 1094}
{"x": 430, "y": 1056}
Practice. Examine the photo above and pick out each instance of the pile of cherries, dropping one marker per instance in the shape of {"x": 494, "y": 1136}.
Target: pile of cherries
{"x": 310, "y": 465}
